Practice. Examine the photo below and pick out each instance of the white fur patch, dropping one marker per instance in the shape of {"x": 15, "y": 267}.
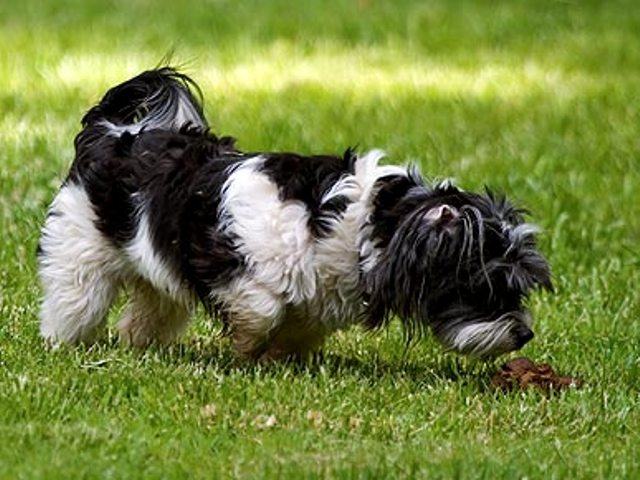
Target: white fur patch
{"x": 150, "y": 265}
{"x": 78, "y": 269}
{"x": 272, "y": 235}
{"x": 491, "y": 337}
{"x": 481, "y": 338}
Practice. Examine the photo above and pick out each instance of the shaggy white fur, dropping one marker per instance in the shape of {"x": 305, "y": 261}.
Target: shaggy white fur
{"x": 79, "y": 269}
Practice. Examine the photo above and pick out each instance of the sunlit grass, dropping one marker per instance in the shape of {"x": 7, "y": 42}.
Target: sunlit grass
{"x": 361, "y": 71}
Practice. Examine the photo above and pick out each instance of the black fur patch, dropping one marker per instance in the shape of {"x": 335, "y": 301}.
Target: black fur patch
{"x": 308, "y": 179}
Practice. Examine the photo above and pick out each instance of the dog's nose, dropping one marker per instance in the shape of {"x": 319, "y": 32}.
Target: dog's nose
{"x": 523, "y": 335}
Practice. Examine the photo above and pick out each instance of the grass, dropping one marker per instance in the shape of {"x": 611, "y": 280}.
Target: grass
{"x": 538, "y": 99}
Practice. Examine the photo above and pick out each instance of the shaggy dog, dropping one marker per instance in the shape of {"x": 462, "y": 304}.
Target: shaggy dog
{"x": 283, "y": 248}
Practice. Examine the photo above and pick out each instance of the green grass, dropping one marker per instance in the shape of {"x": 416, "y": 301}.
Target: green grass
{"x": 538, "y": 99}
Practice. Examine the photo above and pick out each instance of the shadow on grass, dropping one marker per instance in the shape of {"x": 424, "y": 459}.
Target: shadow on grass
{"x": 369, "y": 366}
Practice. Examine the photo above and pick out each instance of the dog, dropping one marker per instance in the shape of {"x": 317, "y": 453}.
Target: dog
{"x": 283, "y": 248}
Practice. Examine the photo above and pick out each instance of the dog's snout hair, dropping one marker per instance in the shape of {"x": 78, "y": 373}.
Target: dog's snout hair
{"x": 486, "y": 337}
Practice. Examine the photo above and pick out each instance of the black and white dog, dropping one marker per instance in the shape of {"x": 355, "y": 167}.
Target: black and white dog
{"x": 284, "y": 248}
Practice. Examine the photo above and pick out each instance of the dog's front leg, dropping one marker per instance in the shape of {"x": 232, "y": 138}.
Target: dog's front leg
{"x": 293, "y": 336}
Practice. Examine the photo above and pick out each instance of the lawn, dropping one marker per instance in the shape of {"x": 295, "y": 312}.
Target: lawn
{"x": 538, "y": 99}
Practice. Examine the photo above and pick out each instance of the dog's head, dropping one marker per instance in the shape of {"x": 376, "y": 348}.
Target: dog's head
{"x": 462, "y": 263}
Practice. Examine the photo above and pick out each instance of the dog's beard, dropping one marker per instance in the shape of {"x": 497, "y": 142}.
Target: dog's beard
{"x": 483, "y": 337}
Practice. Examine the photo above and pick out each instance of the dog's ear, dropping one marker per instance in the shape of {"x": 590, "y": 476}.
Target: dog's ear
{"x": 441, "y": 215}
{"x": 524, "y": 267}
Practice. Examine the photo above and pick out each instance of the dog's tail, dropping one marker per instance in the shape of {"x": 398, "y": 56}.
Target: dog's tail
{"x": 156, "y": 99}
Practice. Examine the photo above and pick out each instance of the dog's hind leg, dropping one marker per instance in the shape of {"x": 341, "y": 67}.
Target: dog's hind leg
{"x": 152, "y": 317}
{"x": 78, "y": 269}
